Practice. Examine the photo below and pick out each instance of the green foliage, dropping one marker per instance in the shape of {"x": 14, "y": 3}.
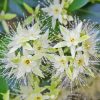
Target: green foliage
{"x": 90, "y": 11}
{"x": 28, "y": 8}
{"x": 4, "y": 94}
{"x": 7, "y": 16}
{"x": 77, "y": 4}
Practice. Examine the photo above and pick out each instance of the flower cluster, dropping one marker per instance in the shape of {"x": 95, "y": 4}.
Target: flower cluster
{"x": 33, "y": 57}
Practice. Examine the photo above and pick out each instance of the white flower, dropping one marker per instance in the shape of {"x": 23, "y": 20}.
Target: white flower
{"x": 89, "y": 46}
{"x": 71, "y": 38}
{"x": 60, "y": 63}
{"x": 22, "y": 36}
{"x": 11, "y": 62}
{"x": 18, "y": 66}
{"x": 28, "y": 93}
{"x": 38, "y": 96}
{"x": 79, "y": 60}
{"x": 55, "y": 10}
{"x": 41, "y": 45}
{"x": 28, "y": 65}
{"x": 81, "y": 65}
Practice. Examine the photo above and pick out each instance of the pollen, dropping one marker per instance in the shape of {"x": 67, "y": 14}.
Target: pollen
{"x": 72, "y": 39}
{"x": 56, "y": 10}
{"x": 63, "y": 61}
{"x": 87, "y": 45}
{"x": 39, "y": 48}
{"x": 80, "y": 62}
{"x": 38, "y": 98}
{"x": 27, "y": 61}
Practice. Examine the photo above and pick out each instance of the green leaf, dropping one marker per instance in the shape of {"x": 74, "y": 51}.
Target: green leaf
{"x": 3, "y": 89}
{"x": 83, "y": 38}
{"x": 3, "y": 85}
{"x": 38, "y": 72}
{"x": 60, "y": 44}
{"x": 28, "y": 20}
{"x": 37, "y": 9}
{"x": 77, "y": 4}
{"x": 7, "y": 16}
{"x": 28, "y": 8}
{"x": 5, "y": 26}
{"x": 69, "y": 72}
{"x": 6, "y": 95}
{"x": 5, "y": 5}
{"x": 18, "y": 1}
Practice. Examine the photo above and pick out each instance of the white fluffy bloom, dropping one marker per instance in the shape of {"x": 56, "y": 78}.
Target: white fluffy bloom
{"x": 71, "y": 38}
{"x": 27, "y": 65}
{"x": 22, "y": 36}
{"x": 60, "y": 63}
{"x": 82, "y": 41}
{"x": 38, "y": 96}
{"x": 79, "y": 65}
{"x": 55, "y": 10}
{"x": 41, "y": 45}
{"x": 21, "y": 66}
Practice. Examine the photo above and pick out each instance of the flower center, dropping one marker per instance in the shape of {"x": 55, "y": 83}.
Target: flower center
{"x": 56, "y": 10}
{"x": 38, "y": 98}
{"x": 63, "y": 61}
{"x": 72, "y": 40}
{"x": 27, "y": 61}
{"x": 39, "y": 48}
{"x": 80, "y": 62}
{"x": 87, "y": 45}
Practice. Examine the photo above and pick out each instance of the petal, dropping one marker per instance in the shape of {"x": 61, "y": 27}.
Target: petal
{"x": 37, "y": 57}
{"x": 78, "y": 29}
{"x": 45, "y": 97}
{"x": 20, "y": 72}
{"x": 75, "y": 73}
{"x": 38, "y": 72}
{"x": 19, "y": 28}
{"x": 64, "y": 31}
{"x": 86, "y": 59}
{"x": 72, "y": 48}
{"x": 46, "y": 9}
{"x": 60, "y": 44}
{"x": 56, "y": 2}
{"x": 83, "y": 38}
{"x": 27, "y": 46}
{"x": 79, "y": 49}
{"x": 35, "y": 29}
{"x": 53, "y": 22}
{"x": 60, "y": 18}
{"x": 45, "y": 36}
{"x": 69, "y": 18}
{"x": 14, "y": 48}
